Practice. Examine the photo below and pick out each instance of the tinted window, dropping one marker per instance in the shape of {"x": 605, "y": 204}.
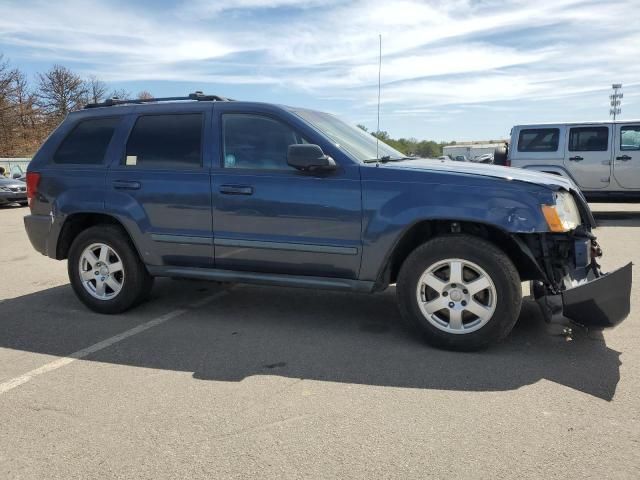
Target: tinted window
{"x": 254, "y": 141}
{"x": 589, "y": 139}
{"x": 630, "y": 138}
{"x": 87, "y": 143}
{"x": 166, "y": 141}
{"x": 538, "y": 140}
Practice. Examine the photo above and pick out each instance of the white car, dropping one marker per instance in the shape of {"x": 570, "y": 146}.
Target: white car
{"x": 485, "y": 158}
{"x": 602, "y": 158}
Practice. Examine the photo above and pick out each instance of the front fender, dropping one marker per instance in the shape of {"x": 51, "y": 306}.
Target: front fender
{"x": 391, "y": 208}
{"x": 551, "y": 169}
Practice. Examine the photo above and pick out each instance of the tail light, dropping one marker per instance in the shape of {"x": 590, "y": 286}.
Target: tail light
{"x": 507, "y": 162}
{"x": 33, "y": 179}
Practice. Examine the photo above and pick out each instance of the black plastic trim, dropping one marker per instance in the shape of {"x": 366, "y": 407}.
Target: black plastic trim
{"x": 324, "y": 283}
{"x": 297, "y": 247}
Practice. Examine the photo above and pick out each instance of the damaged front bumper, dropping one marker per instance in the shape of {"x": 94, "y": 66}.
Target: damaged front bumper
{"x": 601, "y": 302}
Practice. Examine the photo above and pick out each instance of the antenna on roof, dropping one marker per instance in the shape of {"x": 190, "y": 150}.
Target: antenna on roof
{"x": 379, "y": 76}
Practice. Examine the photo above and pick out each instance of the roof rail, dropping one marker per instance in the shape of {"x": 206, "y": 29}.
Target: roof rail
{"x": 198, "y": 96}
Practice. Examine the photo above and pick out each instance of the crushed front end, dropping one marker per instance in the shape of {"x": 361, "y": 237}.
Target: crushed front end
{"x": 570, "y": 284}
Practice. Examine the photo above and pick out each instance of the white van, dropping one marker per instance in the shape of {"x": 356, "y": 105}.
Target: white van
{"x": 602, "y": 158}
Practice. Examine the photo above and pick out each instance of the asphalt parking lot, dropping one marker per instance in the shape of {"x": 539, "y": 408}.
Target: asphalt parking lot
{"x": 261, "y": 382}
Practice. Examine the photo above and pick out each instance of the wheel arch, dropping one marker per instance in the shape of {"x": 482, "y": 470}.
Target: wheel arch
{"x": 561, "y": 171}
{"x": 78, "y": 222}
{"x": 423, "y": 230}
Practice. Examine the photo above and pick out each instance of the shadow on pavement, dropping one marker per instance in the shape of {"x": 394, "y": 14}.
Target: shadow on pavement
{"x": 615, "y": 218}
{"x": 305, "y": 334}
{"x": 11, "y": 205}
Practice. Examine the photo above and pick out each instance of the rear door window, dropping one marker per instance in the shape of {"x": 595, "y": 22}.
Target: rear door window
{"x": 589, "y": 139}
{"x": 538, "y": 140}
{"x": 166, "y": 141}
{"x": 630, "y": 137}
{"x": 87, "y": 143}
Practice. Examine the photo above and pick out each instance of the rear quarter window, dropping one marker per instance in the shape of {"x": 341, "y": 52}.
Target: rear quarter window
{"x": 538, "y": 140}
{"x": 87, "y": 143}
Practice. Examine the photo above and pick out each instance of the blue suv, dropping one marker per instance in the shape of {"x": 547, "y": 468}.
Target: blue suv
{"x": 209, "y": 188}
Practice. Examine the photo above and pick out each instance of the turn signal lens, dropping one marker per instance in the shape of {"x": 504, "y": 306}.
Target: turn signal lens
{"x": 553, "y": 219}
{"x": 563, "y": 216}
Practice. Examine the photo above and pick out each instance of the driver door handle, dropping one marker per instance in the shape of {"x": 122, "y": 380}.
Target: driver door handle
{"x": 624, "y": 158}
{"x": 236, "y": 190}
{"x": 126, "y": 185}
{"x": 577, "y": 158}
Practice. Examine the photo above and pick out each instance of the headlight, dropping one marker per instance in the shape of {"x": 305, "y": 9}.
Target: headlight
{"x": 564, "y": 215}
{"x": 5, "y": 189}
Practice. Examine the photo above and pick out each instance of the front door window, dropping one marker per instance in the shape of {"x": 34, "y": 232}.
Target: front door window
{"x": 256, "y": 142}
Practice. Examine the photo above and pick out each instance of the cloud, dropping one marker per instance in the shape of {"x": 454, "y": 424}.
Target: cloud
{"x": 435, "y": 53}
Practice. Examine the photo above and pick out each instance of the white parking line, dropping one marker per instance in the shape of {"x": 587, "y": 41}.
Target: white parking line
{"x": 61, "y": 362}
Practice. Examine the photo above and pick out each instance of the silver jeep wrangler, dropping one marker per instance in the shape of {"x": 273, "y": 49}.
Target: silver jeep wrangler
{"x": 602, "y": 158}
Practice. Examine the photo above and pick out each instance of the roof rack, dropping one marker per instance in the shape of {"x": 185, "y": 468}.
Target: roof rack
{"x": 198, "y": 96}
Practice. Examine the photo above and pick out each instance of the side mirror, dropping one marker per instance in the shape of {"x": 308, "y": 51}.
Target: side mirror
{"x": 16, "y": 175}
{"x": 309, "y": 158}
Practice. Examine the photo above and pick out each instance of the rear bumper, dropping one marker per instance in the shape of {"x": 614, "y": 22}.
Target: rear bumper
{"x": 38, "y": 228}
{"x": 600, "y": 303}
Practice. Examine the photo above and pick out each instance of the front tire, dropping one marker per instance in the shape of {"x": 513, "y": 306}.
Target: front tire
{"x": 105, "y": 271}
{"x": 461, "y": 292}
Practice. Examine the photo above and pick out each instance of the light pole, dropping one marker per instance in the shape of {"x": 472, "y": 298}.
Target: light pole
{"x": 616, "y": 100}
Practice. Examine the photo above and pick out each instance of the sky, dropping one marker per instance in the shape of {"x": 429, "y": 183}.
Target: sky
{"x": 451, "y": 69}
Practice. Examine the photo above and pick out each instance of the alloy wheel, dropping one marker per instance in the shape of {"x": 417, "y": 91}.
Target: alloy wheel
{"x": 456, "y": 296}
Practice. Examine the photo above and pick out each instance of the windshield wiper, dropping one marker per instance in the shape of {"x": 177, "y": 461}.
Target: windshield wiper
{"x": 388, "y": 158}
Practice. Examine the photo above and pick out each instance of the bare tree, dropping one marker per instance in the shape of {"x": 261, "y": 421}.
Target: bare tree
{"x": 120, "y": 93}
{"x": 7, "y": 114}
{"x": 7, "y": 78}
{"x": 31, "y": 126}
{"x": 96, "y": 89}
{"x": 145, "y": 95}
{"x": 60, "y": 91}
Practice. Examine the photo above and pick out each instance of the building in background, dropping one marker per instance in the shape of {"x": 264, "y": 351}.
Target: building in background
{"x": 14, "y": 165}
{"x": 471, "y": 150}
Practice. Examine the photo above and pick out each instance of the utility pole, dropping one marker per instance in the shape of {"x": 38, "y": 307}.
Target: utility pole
{"x": 616, "y": 100}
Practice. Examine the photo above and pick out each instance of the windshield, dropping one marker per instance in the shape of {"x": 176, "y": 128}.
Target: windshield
{"x": 357, "y": 142}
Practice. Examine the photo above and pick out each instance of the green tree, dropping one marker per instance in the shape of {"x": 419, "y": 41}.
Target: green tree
{"x": 381, "y": 135}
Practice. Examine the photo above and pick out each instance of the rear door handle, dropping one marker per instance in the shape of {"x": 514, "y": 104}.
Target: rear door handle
{"x": 577, "y": 158}
{"x": 624, "y": 158}
{"x": 236, "y": 190}
{"x": 126, "y": 185}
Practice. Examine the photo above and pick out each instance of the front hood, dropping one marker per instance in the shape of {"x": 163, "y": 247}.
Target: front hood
{"x": 552, "y": 182}
{"x": 485, "y": 170}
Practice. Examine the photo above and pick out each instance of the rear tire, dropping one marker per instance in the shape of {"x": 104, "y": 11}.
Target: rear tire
{"x": 105, "y": 270}
{"x": 437, "y": 294}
